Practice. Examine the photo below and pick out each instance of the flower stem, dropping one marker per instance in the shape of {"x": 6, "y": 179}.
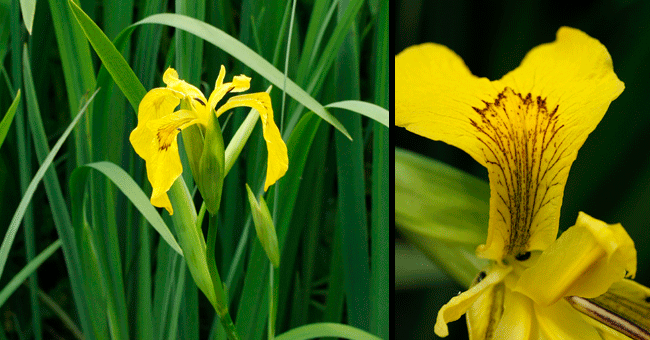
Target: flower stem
{"x": 229, "y": 327}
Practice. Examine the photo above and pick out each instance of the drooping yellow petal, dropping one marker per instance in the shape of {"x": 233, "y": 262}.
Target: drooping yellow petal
{"x": 157, "y": 103}
{"x": 239, "y": 84}
{"x": 278, "y": 160}
{"x": 584, "y": 261}
{"x": 560, "y": 321}
{"x": 458, "y": 305}
{"x": 525, "y": 128}
{"x": 154, "y": 139}
{"x": 518, "y": 320}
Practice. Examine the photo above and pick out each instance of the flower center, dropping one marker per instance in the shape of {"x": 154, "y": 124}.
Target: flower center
{"x": 521, "y": 146}
{"x": 167, "y": 132}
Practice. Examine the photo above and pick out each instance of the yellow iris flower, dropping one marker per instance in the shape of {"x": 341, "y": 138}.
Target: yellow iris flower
{"x": 526, "y": 128}
{"x": 154, "y": 138}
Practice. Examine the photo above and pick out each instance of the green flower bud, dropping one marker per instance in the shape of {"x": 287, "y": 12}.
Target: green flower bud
{"x": 211, "y": 166}
{"x": 264, "y": 227}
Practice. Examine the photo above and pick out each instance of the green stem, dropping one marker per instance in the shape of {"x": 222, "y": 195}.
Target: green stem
{"x": 229, "y": 327}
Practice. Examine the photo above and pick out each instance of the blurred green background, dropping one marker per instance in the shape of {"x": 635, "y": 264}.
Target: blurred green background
{"x": 610, "y": 179}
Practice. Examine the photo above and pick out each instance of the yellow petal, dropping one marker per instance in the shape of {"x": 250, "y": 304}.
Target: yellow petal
{"x": 155, "y": 141}
{"x": 518, "y": 319}
{"x": 484, "y": 314}
{"x": 278, "y": 160}
{"x": 584, "y": 261}
{"x": 623, "y": 307}
{"x": 525, "y": 128}
{"x": 560, "y": 321}
{"x": 194, "y": 95}
{"x": 157, "y": 103}
{"x": 239, "y": 84}
{"x": 458, "y": 305}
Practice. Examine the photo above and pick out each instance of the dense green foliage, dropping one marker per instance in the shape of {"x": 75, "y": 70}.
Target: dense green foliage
{"x": 114, "y": 275}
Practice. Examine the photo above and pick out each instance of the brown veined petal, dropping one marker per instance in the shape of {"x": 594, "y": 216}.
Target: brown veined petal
{"x": 278, "y": 160}
{"x": 157, "y": 103}
{"x": 570, "y": 84}
{"x": 584, "y": 261}
{"x": 527, "y": 138}
{"x": 163, "y": 161}
{"x": 458, "y": 305}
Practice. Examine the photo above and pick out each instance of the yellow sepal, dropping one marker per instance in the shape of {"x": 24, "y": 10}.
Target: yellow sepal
{"x": 278, "y": 160}
{"x": 584, "y": 261}
{"x": 459, "y": 304}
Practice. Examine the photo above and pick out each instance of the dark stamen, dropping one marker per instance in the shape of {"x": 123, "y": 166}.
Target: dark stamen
{"x": 200, "y": 101}
{"x": 523, "y": 256}
{"x": 480, "y": 276}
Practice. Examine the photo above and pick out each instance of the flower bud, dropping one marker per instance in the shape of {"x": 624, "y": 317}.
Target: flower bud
{"x": 264, "y": 227}
{"x": 211, "y": 166}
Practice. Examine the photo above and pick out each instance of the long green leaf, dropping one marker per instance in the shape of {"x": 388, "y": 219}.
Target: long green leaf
{"x": 20, "y": 211}
{"x": 58, "y": 206}
{"x": 380, "y": 283}
{"x": 78, "y": 72}
{"x": 27, "y": 7}
{"x": 369, "y": 110}
{"x": 133, "y": 192}
{"x": 8, "y": 118}
{"x": 247, "y": 56}
{"x": 319, "y": 330}
{"x": 425, "y": 192}
{"x": 111, "y": 57}
{"x": 31, "y": 267}
{"x": 352, "y": 214}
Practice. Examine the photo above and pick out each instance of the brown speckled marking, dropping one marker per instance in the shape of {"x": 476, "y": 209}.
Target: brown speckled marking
{"x": 518, "y": 132}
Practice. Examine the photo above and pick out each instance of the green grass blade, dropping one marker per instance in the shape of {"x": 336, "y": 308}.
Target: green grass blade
{"x": 27, "y": 7}
{"x": 247, "y": 56}
{"x": 127, "y": 185}
{"x": 380, "y": 217}
{"x": 351, "y": 185}
{"x": 18, "y": 215}
{"x": 78, "y": 72}
{"x": 8, "y": 118}
{"x": 176, "y": 303}
{"x": 55, "y": 196}
{"x": 319, "y": 330}
{"x": 369, "y": 110}
{"x": 113, "y": 60}
{"x": 425, "y": 191}
{"x": 30, "y": 268}
{"x": 318, "y": 73}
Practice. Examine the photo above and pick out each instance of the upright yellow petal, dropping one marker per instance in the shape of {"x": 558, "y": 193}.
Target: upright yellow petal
{"x": 278, "y": 160}
{"x": 239, "y": 84}
{"x": 193, "y": 94}
{"x": 526, "y": 128}
{"x": 458, "y": 305}
{"x": 584, "y": 261}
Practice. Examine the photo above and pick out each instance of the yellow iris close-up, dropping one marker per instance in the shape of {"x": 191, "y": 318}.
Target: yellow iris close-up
{"x": 155, "y": 137}
{"x": 526, "y": 129}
